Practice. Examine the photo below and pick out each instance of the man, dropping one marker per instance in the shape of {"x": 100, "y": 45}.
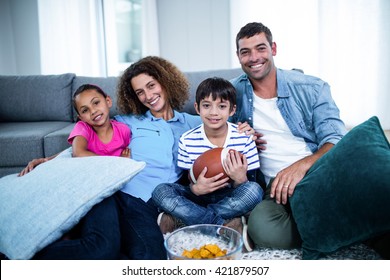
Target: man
{"x": 297, "y": 121}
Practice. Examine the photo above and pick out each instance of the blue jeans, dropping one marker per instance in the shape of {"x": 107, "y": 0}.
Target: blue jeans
{"x": 141, "y": 236}
{"x": 214, "y": 208}
{"x": 99, "y": 237}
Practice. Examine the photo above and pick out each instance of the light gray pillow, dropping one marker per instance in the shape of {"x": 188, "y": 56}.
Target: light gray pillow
{"x": 38, "y": 208}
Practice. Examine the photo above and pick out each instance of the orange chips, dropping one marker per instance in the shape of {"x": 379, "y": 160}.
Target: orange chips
{"x": 208, "y": 251}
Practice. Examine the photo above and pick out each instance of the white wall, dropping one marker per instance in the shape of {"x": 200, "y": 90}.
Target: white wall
{"x": 19, "y": 37}
{"x": 346, "y": 43}
{"x": 195, "y": 34}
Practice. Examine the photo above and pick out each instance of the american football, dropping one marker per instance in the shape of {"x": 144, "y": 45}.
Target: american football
{"x": 213, "y": 160}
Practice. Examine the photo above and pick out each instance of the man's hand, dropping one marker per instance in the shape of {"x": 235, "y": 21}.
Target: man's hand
{"x": 260, "y": 143}
{"x": 287, "y": 179}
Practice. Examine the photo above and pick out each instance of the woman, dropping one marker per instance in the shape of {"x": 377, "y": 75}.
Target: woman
{"x": 150, "y": 92}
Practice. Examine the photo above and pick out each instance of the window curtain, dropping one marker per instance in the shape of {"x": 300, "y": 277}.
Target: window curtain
{"x": 344, "y": 42}
{"x": 71, "y": 37}
{"x": 150, "y": 34}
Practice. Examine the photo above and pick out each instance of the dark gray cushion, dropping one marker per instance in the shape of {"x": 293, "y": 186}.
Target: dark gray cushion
{"x": 36, "y": 98}
{"x": 21, "y": 142}
{"x": 57, "y": 141}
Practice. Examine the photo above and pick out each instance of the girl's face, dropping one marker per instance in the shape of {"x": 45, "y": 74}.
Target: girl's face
{"x": 93, "y": 108}
{"x": 214, "y": 113}
{"x": 151, "y": 94}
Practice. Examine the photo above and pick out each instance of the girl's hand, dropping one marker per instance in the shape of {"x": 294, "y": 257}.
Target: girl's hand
{"x": 126, "y": 153}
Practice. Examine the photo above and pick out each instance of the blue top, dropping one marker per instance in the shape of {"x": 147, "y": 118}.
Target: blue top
{"x": 155, "y": 141}
{"x": 305, "y": 103}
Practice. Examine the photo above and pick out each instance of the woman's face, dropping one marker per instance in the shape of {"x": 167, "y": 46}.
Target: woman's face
{"x": 151, "y": 94}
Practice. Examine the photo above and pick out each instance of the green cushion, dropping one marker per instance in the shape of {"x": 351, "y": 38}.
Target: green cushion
{"x": 345, "y": 196}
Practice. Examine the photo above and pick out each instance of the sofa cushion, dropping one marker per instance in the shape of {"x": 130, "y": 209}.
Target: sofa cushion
{"x": 195, "y": 78}
{"x": 345, "y": 196}
{"x": 36, "y": 98}
{"x": 21, "y": 142}
{"x": 107, "y": 84}
{"x": 41, "y": 206}
{"x": 57, "y": 141}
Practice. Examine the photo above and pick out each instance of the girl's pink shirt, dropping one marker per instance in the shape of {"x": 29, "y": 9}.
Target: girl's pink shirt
{"x": 120, "y": 139}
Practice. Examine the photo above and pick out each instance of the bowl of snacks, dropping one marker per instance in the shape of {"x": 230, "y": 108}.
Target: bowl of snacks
{"x": 204, "y": 242}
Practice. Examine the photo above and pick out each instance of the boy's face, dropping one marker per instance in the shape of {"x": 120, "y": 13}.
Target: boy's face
{"x": 214, "y": 113}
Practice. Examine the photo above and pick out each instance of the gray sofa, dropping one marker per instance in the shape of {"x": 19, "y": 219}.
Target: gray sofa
{"x": 36, "y": 112}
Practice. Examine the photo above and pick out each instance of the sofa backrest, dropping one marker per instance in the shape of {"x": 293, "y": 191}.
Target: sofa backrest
{"x": 109, "y": 85}
{"x": 36, "y": 98}
{"x": 49, "y": 97}
{"x": 195, "y": 78}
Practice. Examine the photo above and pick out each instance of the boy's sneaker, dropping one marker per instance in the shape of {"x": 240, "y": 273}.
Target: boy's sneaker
{"x": 239, "y": 224}
{"x": 168, "y": 223}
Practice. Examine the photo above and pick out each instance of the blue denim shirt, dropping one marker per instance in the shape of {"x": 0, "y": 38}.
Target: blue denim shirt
{"x": 305, "y": 103}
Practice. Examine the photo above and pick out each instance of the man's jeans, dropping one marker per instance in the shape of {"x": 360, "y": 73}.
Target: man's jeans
{"x": 214, "y": 208}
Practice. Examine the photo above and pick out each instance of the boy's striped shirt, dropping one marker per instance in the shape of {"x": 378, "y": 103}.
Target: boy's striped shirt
{"x": 195, "y": 142}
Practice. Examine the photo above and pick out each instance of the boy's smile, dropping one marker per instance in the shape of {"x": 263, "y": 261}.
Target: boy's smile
{"x": 214, "y": 113}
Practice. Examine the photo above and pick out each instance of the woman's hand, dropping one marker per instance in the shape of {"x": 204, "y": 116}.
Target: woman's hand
{"x": 245, "y": 128}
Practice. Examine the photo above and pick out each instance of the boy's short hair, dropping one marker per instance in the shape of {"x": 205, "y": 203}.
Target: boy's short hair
{"x": 217, "y": 88}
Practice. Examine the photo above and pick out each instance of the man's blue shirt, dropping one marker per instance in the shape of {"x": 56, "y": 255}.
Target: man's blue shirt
{"x": 305, "y": 103}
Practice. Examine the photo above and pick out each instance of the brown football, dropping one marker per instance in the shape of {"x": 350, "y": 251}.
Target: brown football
{"x": 213, "y": 160}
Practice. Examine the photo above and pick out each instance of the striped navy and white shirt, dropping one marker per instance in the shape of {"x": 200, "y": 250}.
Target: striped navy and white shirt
{"x": 195, "y": 142}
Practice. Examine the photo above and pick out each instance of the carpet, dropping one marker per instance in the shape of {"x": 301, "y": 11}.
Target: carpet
{"x": 354, "y": 252}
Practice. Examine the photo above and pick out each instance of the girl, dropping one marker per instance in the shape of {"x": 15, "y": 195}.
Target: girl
{"x": 95, "y": 134}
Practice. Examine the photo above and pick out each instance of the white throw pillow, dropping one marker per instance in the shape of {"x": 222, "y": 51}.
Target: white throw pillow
{"x": 38, "y": 208}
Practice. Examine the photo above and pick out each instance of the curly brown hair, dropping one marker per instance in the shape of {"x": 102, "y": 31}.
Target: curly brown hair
{"x": 171, "y": 79}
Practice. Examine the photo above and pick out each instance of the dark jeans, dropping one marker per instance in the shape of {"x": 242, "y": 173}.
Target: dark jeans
{"x": 141, "y": 236}
{"x": 99, "y": 237}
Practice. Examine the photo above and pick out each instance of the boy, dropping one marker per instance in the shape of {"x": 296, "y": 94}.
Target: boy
{"x": 213, "y": 200}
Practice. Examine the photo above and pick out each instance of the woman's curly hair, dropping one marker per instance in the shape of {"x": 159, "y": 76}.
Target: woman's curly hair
{"x": 171, "y": 79}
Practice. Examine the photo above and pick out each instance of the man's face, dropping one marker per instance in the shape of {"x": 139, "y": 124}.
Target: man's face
{"x": 256, "y": 56}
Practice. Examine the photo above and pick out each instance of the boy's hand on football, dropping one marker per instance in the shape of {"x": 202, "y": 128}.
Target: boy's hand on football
{"x": 205, "y": 185}
{"x": 236, "y": 166}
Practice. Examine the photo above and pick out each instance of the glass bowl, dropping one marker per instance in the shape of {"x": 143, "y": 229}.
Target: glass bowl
{"x": 196, "y": 236}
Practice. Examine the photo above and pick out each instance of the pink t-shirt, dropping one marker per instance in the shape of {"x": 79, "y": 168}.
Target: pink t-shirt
{"x": 120, "y": 139}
